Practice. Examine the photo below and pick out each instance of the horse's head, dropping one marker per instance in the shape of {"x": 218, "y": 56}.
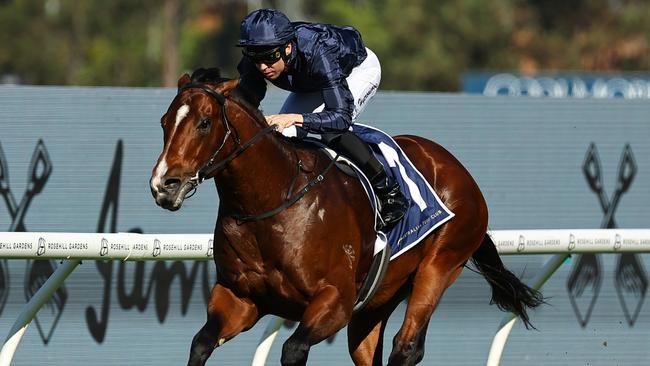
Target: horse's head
{"x": 195, "y": 128}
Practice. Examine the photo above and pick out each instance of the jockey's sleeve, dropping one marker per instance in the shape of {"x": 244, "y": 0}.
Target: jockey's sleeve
{"x": 339, "y": 102}
{"x": 252, "y": 82}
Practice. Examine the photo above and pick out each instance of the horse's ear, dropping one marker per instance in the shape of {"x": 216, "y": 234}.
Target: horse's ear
{"x": 184, "y": 80}
{"x": 227, "y": 86}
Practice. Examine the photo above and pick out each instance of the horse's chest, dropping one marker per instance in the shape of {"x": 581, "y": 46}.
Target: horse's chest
{"x": 241, "y": 266}
{"x": 259, "y": 278}
{"x": 242, "y": 273}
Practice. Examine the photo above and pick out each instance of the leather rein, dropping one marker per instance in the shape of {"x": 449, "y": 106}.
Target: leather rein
{"x": 210, "y": 169}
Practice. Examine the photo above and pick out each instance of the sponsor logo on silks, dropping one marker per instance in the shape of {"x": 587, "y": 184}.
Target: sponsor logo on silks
{"x": 522, "y": 244}
{"x": 617, "y": 242}
{"x": 104, "y": 250}
{"x": 210, "y": 248}
{"x": 41, "y": 247}
{"x": 572, "y": 242}
{"x": 156, "y": 248}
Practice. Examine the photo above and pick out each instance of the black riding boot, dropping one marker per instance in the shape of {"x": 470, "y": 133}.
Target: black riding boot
{"x": 392, "y": 203}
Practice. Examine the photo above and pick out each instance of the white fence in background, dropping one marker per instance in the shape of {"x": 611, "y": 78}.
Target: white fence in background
{"x": 75, "y": 247}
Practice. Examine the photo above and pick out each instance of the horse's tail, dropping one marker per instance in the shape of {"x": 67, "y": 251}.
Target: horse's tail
{"x": 508, "y": 292}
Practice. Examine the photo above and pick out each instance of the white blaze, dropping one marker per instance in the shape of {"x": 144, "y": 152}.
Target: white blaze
{"x": 182, "y": 113}
{"x": 161, "y": 170}
{"x": 162, "y": 167}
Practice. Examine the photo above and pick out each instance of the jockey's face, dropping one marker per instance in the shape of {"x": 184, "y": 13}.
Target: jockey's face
{"x": 272, "y": 71}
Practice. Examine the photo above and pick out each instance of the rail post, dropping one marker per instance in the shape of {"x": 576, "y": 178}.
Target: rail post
{"x": 43, "y": 295}
{"x": 508, "y": 321}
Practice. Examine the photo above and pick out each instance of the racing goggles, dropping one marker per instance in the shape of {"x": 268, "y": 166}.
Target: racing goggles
{"x": 263, "y": 55}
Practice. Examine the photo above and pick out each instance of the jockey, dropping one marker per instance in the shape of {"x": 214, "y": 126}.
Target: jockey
{"x": 331, "y": 75}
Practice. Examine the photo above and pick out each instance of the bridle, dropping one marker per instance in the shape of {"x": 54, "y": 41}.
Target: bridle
{"x": 211, "y": 167}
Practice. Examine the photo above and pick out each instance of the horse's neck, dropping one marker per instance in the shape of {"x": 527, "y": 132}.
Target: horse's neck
{"x": 257, "y": 179}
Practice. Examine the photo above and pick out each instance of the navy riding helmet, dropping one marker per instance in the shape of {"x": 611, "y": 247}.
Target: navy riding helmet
{"x": 265, "y": 27}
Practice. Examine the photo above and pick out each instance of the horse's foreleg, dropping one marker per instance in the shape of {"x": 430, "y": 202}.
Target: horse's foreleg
{"x": 323, "y": 317}
{"x": 228, "y": 316}
{"x": 430, "y": 282}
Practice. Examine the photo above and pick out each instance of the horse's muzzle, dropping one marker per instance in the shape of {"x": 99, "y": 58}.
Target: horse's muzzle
{"x": 170, "y": 193}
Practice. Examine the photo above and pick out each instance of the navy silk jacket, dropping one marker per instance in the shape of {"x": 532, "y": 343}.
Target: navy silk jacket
{"x": 322, "y": 58}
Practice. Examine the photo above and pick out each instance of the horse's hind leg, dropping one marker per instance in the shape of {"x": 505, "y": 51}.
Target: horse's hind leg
{"x": 366, "y": 332}
{"x": 228, "y": 316}
{"x": 323, "y": 317}
{"x": 433, "y": 276}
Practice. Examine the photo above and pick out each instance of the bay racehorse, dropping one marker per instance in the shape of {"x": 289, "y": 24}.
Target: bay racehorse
{"x": 295, "y": 239}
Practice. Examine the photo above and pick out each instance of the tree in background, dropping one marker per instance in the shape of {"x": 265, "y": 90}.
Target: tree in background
{"x": 80, "y": 42}
{"x": 591, "y": 35}
{"x": 429, "y": 44}
{"x": 422, "y": 44}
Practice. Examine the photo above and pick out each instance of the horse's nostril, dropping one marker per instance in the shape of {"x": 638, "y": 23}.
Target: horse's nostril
{"x": 172, "y": 184}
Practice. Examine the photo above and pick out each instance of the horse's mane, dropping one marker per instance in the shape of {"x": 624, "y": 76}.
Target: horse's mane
{"x": 240, "y": 94}
{"x": 244, "y": 98}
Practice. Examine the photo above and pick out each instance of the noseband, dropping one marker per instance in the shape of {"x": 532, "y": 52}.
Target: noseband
{"x": 211, "y": 167}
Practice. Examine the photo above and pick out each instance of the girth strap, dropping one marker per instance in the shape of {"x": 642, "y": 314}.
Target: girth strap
{"x": 373, "y": 279}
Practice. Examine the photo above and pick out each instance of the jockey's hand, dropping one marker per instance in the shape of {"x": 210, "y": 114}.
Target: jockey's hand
{"x": 284, "y": 120}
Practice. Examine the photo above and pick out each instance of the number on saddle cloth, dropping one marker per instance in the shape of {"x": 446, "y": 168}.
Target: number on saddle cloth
{"x": 426, "y": 211}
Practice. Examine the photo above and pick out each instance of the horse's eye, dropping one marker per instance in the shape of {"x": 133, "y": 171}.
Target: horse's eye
{"x": 204, "y": 123}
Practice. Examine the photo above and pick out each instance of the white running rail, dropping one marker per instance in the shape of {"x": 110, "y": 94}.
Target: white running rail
{"x": 74, "y": 247}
